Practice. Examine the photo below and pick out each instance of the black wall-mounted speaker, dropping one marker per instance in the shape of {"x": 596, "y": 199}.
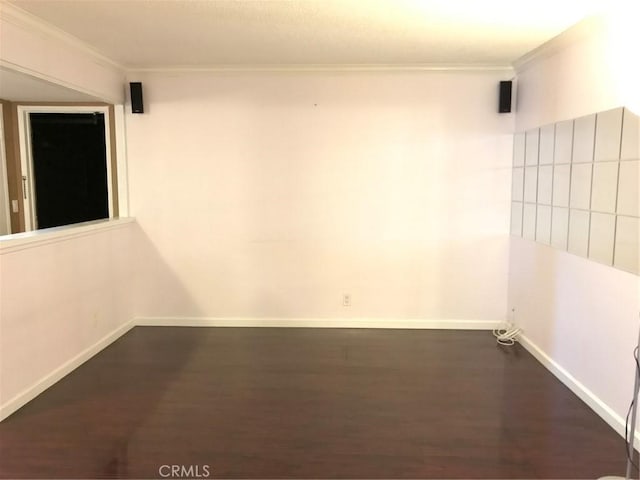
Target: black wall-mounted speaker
{"x": 504, "y": 104}
{"x": 137, "y": 105}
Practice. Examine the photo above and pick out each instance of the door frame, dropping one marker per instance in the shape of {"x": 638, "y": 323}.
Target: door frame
{"x": 5, "y": 204}
{"x": 26, "y": 154}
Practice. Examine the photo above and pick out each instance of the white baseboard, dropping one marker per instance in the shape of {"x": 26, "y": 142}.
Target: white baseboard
{"x": 318, "y": 323}
{"x": 63, "y": 370}
{"x": 587, "y": 396}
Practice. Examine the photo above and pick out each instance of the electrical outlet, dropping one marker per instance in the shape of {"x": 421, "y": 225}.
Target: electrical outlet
{"x": 346, "y": 300}
{"x": 14, "y": 206}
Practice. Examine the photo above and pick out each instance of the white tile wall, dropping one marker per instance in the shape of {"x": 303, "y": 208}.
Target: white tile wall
{"x": 516, "y": 218}
{"x": 628, "y": 193}
{"x": 530, "y": 184}
{"x": 604, "y": 189}
{"x": 608, "y": 135}
{"x": 517, "y": 184}
{"x": 529, "y": 221}
{"x": 531, "y": 149}
{"x": 583, "y": 138}
{"x": 543, "y": 224}
{"x": 545, "y": 184}
{"x": 578, "y": 232}
{"x": 630, "y": 149}
{"x": 626, "y": 254}
{"x": 563, "y": 142}
{"x": 559, "y": 227}
{"x": 601, "y": 237}
{"x": 547, "y": 140}
{"x": 561, "y": 184}
{"x": 580, "y": 185}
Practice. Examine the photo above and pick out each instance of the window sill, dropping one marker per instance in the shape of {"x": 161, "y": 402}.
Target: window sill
{"x": 37, "y": 238}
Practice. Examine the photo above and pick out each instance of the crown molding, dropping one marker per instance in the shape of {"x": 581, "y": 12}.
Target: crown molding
{"x": 16, "y": 16}
{"x": 587, "y": 27}
{"x": 480, "y": 68}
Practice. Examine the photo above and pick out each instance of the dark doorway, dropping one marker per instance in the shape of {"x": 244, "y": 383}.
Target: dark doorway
{"x": 69, "y": 167}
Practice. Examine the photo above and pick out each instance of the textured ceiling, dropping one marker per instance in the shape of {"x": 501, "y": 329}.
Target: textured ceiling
{"x": 159, "y": 33}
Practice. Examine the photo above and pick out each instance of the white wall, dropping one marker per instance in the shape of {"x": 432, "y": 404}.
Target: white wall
{"x": 272, "y": 194}
{"x": 59, "y": 297}
{"x": 581, "y": 314}
{"x": 61, "y": 300}
{"x": 590, "y": 68}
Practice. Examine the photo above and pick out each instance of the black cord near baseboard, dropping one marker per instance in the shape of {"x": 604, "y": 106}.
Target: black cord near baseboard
{"x": 626, "y": 438}
{"x": 626, "y": 423}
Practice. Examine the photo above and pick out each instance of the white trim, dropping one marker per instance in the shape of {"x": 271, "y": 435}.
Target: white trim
{"x": 24, "y": 19}
{"x": 605, "y": 412}
{"x": 63, "y": 370}
{"x": 321, "y": 68}
{"x": 36, "y": 238}
{"x": 121, "y": 160}
{"x": 26, "y": 154}
{"x": 4, "y": 186}
{"x": 579, "y": 31}
{"x": 26, "y": 163}
{"x": 390, "y": 323}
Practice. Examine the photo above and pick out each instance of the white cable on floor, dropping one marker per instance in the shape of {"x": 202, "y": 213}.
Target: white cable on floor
{"x": 507, "y": 334}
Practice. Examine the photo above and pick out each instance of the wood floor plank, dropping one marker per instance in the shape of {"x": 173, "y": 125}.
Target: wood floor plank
{"x": 309, "y": 403}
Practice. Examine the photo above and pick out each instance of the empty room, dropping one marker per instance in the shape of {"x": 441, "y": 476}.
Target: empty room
{"x": 319, "y": 239}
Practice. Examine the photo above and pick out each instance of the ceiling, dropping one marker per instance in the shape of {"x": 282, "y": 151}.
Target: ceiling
{"x": 199, "y": 33}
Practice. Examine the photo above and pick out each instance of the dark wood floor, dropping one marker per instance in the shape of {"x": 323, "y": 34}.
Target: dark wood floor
{"x": 301, "y": 403}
